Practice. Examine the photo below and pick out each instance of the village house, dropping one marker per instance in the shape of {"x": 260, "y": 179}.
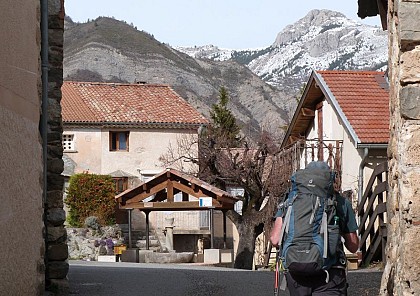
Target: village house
{"x": 122, "y": 130}
{"x": 343, "y": 119}
{"x": 346, "y": 113}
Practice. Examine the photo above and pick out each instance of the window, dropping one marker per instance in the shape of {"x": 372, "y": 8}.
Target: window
{"x": 118, "y": 141}
{"x": 68, "y": 142}
{"x": 121, "y": 184}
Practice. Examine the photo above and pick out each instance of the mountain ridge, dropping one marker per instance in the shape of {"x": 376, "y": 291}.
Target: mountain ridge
{"x": 322, "y": 40}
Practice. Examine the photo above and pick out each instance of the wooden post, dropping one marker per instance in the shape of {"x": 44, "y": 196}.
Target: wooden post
{"x": 129, "y": 228}
{"x": 212, "y": 228}
{"x": 147, "y": 229}
{"x": 224, "y": 229}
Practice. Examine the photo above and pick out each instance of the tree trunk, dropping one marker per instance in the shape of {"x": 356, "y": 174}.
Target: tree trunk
{"x": 246, "y": 246}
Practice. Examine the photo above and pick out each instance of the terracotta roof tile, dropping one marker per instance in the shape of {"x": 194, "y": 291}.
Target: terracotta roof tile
{"x": 363, "y": 96}
{"x": 112, "y": 103}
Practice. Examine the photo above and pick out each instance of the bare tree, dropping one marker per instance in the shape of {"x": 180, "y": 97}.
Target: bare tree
{"x": 257, "y": 167}
{"x": 226, "y": 159}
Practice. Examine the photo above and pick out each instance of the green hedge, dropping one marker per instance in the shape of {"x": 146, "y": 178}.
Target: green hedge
{"x": 91, "y": 195}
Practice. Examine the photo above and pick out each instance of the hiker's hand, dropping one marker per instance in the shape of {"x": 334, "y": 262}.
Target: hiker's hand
{"x": 351, "y": 241}
{"x": 275, "y": 233}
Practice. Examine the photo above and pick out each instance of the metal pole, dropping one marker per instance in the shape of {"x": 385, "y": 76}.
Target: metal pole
{"x": 147, "y": 229}
{"x": 212, "y": 228}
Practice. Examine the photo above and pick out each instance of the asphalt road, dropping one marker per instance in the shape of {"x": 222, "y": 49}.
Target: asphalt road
{"x": 100, "y": 278}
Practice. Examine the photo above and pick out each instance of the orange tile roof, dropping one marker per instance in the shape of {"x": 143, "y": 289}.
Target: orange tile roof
{"x": 363, "y": 97}
{"x": 134, "y": 104}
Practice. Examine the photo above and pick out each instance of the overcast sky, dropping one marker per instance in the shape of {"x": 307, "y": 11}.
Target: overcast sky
{"x": 235, "y": 24}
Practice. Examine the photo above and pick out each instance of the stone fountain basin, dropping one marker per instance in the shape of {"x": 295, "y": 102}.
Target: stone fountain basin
{"x": 171, "y": 257}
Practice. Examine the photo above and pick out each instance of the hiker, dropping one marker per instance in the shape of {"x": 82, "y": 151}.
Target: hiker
{"x": 331, "y": 279}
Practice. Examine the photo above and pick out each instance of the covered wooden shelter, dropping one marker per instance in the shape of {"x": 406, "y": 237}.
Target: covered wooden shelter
{"x": 157, "y": 194}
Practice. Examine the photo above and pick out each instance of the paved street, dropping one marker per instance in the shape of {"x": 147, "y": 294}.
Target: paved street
{"x": 100, "y": 278}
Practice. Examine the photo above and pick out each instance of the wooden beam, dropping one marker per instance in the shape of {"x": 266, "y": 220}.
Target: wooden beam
{"x": 307, "y": 112}
{"x": 170, "y": 190}
{"x": 189, "y": 190}
{"x": 175, "y": 206}
{"x": 150, "y": 192}
{"x": 293, "y": 138}
{"x": 184, "y": 196}
{"x": 225, "y": 199}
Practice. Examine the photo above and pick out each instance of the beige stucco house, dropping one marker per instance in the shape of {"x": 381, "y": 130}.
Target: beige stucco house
{"x": 347, "y": 114}
{"x": 122, "y": 130}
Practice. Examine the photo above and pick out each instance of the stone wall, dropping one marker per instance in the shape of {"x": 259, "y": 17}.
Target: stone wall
{"x": 56, "y": 248}
{"x": 402, "y": 270}
{"x": 21, "y": 241}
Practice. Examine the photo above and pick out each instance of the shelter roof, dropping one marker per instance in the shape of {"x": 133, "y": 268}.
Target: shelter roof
{"x": 157, "y": 194}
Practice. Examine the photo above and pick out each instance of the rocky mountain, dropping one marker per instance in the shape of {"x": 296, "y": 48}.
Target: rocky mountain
{"x": 323, "y": 39}
{"x": 112, "y": 51}
{"x": 263, "y": 84}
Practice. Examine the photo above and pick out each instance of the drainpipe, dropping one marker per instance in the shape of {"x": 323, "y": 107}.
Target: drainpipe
{"x": 360, "y": 181}
{"x": 44, "y": 115}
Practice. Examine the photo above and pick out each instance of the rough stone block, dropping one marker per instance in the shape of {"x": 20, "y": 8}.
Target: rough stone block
{"x": 410, "y": 138}
{"x": 410, "y": 66}
{"x": 55, "y": 166}
{"x": 410, "y": 102}
{"x": 56, "y": 216}
{"x": 58, "y": 252}
{"x": 58, "y": 287}
{"x": 142, "y": 255}
{"x": 57, "y": 269}
{"x": 409, "y": 24}
{"x": 55, "y": 199}
{"x": 56, "y": 234}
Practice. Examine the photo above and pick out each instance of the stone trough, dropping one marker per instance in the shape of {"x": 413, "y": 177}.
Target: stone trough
{"x": 171, "y": 257}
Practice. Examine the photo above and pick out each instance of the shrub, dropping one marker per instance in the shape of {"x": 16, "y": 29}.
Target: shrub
{"x": 92, "y": 222}
{"x": 91, "y": 195}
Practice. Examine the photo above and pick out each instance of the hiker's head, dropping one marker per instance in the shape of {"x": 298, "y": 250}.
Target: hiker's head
{"x": 318, "y": 165}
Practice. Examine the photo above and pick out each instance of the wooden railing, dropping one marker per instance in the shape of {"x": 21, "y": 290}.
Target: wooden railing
{"x": 297, "y": 156}
{"x": 372, "y": 215}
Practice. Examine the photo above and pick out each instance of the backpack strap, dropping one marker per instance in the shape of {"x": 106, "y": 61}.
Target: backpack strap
{"x": 329, "y": 213}
{"x": 324, "y": 231}
{"x": 286, "y": 220}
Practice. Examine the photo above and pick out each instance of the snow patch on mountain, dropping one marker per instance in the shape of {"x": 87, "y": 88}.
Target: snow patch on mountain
{"x": 323, "y": 39}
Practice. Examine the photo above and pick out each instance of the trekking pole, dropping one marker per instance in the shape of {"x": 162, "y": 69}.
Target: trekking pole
{"x": 277, "y": 274}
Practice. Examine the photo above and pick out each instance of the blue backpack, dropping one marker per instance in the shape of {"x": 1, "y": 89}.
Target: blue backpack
{"x": 310, "y": 236}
